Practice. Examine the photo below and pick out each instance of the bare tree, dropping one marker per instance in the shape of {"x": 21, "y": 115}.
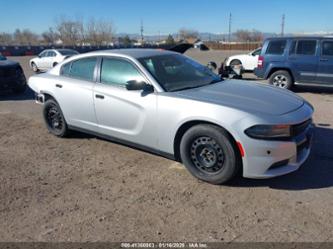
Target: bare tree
{"x": 250, "y": 36}
{"x": 70, "y": 31}
{"x": 188, "y": 34}
{"x": 25, "y": 37}
{"x": 50, "y": 37}
{"x": 6, "y": 38}
{"x": 169, "y": 40}
{"x": 99, "y": 32}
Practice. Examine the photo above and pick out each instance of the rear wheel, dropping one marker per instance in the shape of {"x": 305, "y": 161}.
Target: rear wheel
{"x": 235, "y": 63}
{"x": 281, "y": 79}
{"x": 209, "y": 153}
{"x": 54, "y": 119}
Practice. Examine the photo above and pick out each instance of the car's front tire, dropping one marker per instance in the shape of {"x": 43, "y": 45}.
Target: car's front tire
{"x": 54, "y": 119}
{"x": 34, "y": 67}
{"x": 282, "y": 79}
{"x": 210, "y": 153}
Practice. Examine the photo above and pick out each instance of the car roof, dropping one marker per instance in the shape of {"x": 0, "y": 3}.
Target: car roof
{"x": 133, "y": 52}
{"x": 300, "y": 37}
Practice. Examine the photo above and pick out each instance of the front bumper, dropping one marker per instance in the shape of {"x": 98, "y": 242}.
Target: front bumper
{"x": 266, "y": 159}
{"x": 270, "y": 158}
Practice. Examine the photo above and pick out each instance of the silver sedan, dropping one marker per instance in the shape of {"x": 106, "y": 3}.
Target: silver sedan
{"x": 168, "y": 104}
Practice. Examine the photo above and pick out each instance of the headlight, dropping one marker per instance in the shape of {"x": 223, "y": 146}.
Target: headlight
{"x": 269, "y": 131}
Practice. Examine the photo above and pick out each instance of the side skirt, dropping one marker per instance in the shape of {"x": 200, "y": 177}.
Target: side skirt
{"x": 124, "y": 142}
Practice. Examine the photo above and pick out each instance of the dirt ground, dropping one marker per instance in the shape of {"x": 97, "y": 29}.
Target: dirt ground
{"x": 84, "y": 188}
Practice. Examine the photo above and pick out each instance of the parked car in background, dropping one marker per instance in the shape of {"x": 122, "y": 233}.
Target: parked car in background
{"x": 289, "y": 61}
{"x": 11, "y": 76}
{"x": 49, "y": 58}
{"x": 248, "y": 61}
{"x": 164, "y": 102}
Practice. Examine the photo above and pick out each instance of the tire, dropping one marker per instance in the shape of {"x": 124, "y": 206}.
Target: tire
{"x": 210, "y": 154}
{"x": 34, "y": 67}
{"x": 281, "y": 79}
{"x": 54, "y": 119}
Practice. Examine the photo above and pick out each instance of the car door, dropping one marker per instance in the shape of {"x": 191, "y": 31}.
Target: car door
{"x": 303, "y": 60}
{"x": 325, "y": 67}
{"x": 252, "y": 60}
{"x": 49, "y": 59}
{"x": 40, "y": 61}
{"x": 125, "y": 114}
{"x": 74, "y": 92}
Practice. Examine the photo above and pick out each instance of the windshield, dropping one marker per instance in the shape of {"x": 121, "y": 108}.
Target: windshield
{"x": 2, "y": 58}
{"x": 67, "y": 52}
{"x": 176, "y": 72}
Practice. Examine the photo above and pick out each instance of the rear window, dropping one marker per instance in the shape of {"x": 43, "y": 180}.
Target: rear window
{"x": 327, "y": 48}
{"x": 276, "y": 47}
{"x": 67, "y": 52}
{"x": 81, "y": 69}
{"x": 306, "y": 47}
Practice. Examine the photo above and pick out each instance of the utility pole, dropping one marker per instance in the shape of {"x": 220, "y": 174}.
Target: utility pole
{"x": 230, "y": 19}
{"x": 141, "y": 31}
{"x": 283, "y": 24}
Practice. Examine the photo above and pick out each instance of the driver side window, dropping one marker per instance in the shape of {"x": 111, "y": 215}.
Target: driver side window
{"x": 118, "y": 72}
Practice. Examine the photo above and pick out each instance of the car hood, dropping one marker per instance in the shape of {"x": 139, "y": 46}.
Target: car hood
{"x": 246, "y": 96}
{"x": 7, "y": 63}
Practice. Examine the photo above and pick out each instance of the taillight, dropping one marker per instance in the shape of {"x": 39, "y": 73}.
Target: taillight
{"x": 261, "y": 61}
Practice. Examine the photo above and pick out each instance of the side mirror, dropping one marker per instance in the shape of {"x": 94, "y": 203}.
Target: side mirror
{"x": 212, "y": 65}
{"x": 134, "y": 85}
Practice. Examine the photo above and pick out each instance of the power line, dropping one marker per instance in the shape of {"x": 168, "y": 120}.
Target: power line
{"x": 283, "y": 24}
{"x": 141, "y": 31}
{"x": 230, "y": 20}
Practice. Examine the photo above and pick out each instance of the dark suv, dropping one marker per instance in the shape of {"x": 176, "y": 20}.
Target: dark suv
{"x": 287, "y": 61}
{"x": 11, "y": 76}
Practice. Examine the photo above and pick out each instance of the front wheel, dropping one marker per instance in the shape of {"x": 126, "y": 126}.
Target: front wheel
{"x": 281, "y": 79}
{"x": 210, "y": 154}
{"x": 54, "y": 119}
{"x": 34, "y": 67}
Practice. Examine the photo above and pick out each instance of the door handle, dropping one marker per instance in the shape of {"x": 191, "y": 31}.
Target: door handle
{"x": 58, "y": 85}
{"x": 323, "y": 59}
{"x": 98, "y": 96}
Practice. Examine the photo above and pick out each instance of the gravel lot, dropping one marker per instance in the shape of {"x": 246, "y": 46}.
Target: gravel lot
{"x": 87, "y": 189}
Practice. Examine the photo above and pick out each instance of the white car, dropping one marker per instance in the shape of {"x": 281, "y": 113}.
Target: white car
{"x": 247, "y": 61}
{"x": 49, "y": 58}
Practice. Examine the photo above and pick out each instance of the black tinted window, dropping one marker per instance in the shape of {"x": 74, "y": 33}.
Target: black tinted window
{"x": 118, "y": 72}
{"x": 276, "y": 47}
{"x": 81, "y": 69}
{"x": 306, "y": 47}
{"x": 327, "y": 48}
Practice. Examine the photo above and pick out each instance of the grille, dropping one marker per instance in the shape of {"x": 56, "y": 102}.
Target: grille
{"x": 301, "y": 128}
{"x": 7, "y": 72}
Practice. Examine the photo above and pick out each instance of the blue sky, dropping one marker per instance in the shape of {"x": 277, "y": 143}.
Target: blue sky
{"x": 168, "y": 16}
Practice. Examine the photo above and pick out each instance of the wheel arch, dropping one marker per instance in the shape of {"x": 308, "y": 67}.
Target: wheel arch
{"x": 189, "y": 124}
{"x": 236, "y": 59}
{"x": 275, "y": 69}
